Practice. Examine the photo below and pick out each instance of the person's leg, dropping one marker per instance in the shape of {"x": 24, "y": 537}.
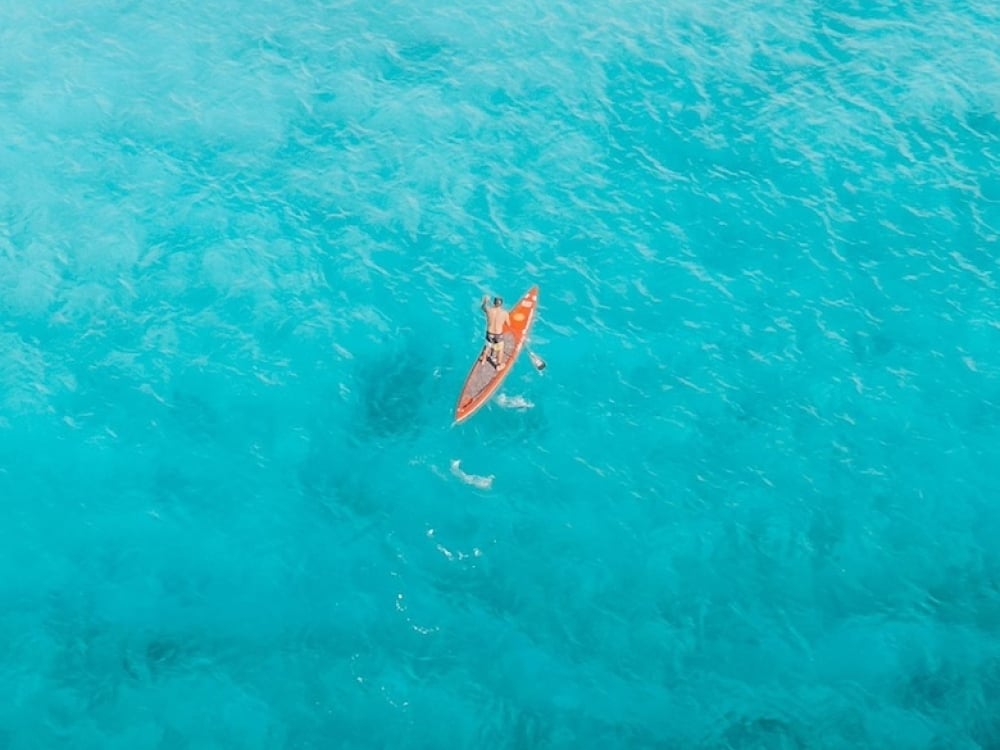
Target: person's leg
{"x": 488, "y": 349}
{"x": 499, "y": 353}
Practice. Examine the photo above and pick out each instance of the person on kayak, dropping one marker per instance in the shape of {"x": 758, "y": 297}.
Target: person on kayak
{"x": 496, "y": 319}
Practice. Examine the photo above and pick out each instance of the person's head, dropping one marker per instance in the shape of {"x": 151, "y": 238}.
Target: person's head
{"x": 497, "y": 301}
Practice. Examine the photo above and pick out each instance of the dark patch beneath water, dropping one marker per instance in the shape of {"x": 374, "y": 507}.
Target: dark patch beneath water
{"x": 394, "y": 390}
{"x": 158, "y": 657}
{"x": 759, "y": 733}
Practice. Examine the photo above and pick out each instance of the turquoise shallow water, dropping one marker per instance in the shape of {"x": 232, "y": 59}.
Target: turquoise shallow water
{"x": 751, "y": 503}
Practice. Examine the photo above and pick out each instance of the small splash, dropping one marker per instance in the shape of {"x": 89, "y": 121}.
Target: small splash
{"x": 482, "y": 483}
{"x": 514, "y": 402}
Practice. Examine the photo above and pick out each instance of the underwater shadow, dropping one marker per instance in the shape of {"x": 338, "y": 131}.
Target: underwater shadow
{"x": 394, "y": 392}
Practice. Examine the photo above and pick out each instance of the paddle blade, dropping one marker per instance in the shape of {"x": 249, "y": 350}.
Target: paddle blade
{"x": 537, "y": 361}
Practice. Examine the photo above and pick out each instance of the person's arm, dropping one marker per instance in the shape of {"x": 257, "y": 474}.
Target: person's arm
{"x": 486, "y": 298}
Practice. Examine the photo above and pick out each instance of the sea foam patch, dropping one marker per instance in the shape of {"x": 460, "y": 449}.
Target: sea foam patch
{"x": 514, "y": 402}
{"x": 473, "y": 480}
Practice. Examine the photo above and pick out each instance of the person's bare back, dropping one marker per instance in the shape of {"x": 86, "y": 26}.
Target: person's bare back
{"x": 496, "y": 319}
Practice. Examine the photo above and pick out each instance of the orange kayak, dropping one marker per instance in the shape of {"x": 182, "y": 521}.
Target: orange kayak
{"x": 484, "y": 378}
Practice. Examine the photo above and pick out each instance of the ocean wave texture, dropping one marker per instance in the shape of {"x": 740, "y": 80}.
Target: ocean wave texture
{"x": 754, "y": 503}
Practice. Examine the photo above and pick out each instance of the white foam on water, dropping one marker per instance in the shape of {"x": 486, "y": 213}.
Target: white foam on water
{"x": 514, "y": 402}
{"x": 473, "y": 480}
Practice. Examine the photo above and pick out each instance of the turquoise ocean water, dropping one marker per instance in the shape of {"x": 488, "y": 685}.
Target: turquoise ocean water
{"x": 751, "y": 503}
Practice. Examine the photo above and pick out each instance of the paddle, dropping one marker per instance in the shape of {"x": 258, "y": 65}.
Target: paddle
{"x": 537, "y": 361}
